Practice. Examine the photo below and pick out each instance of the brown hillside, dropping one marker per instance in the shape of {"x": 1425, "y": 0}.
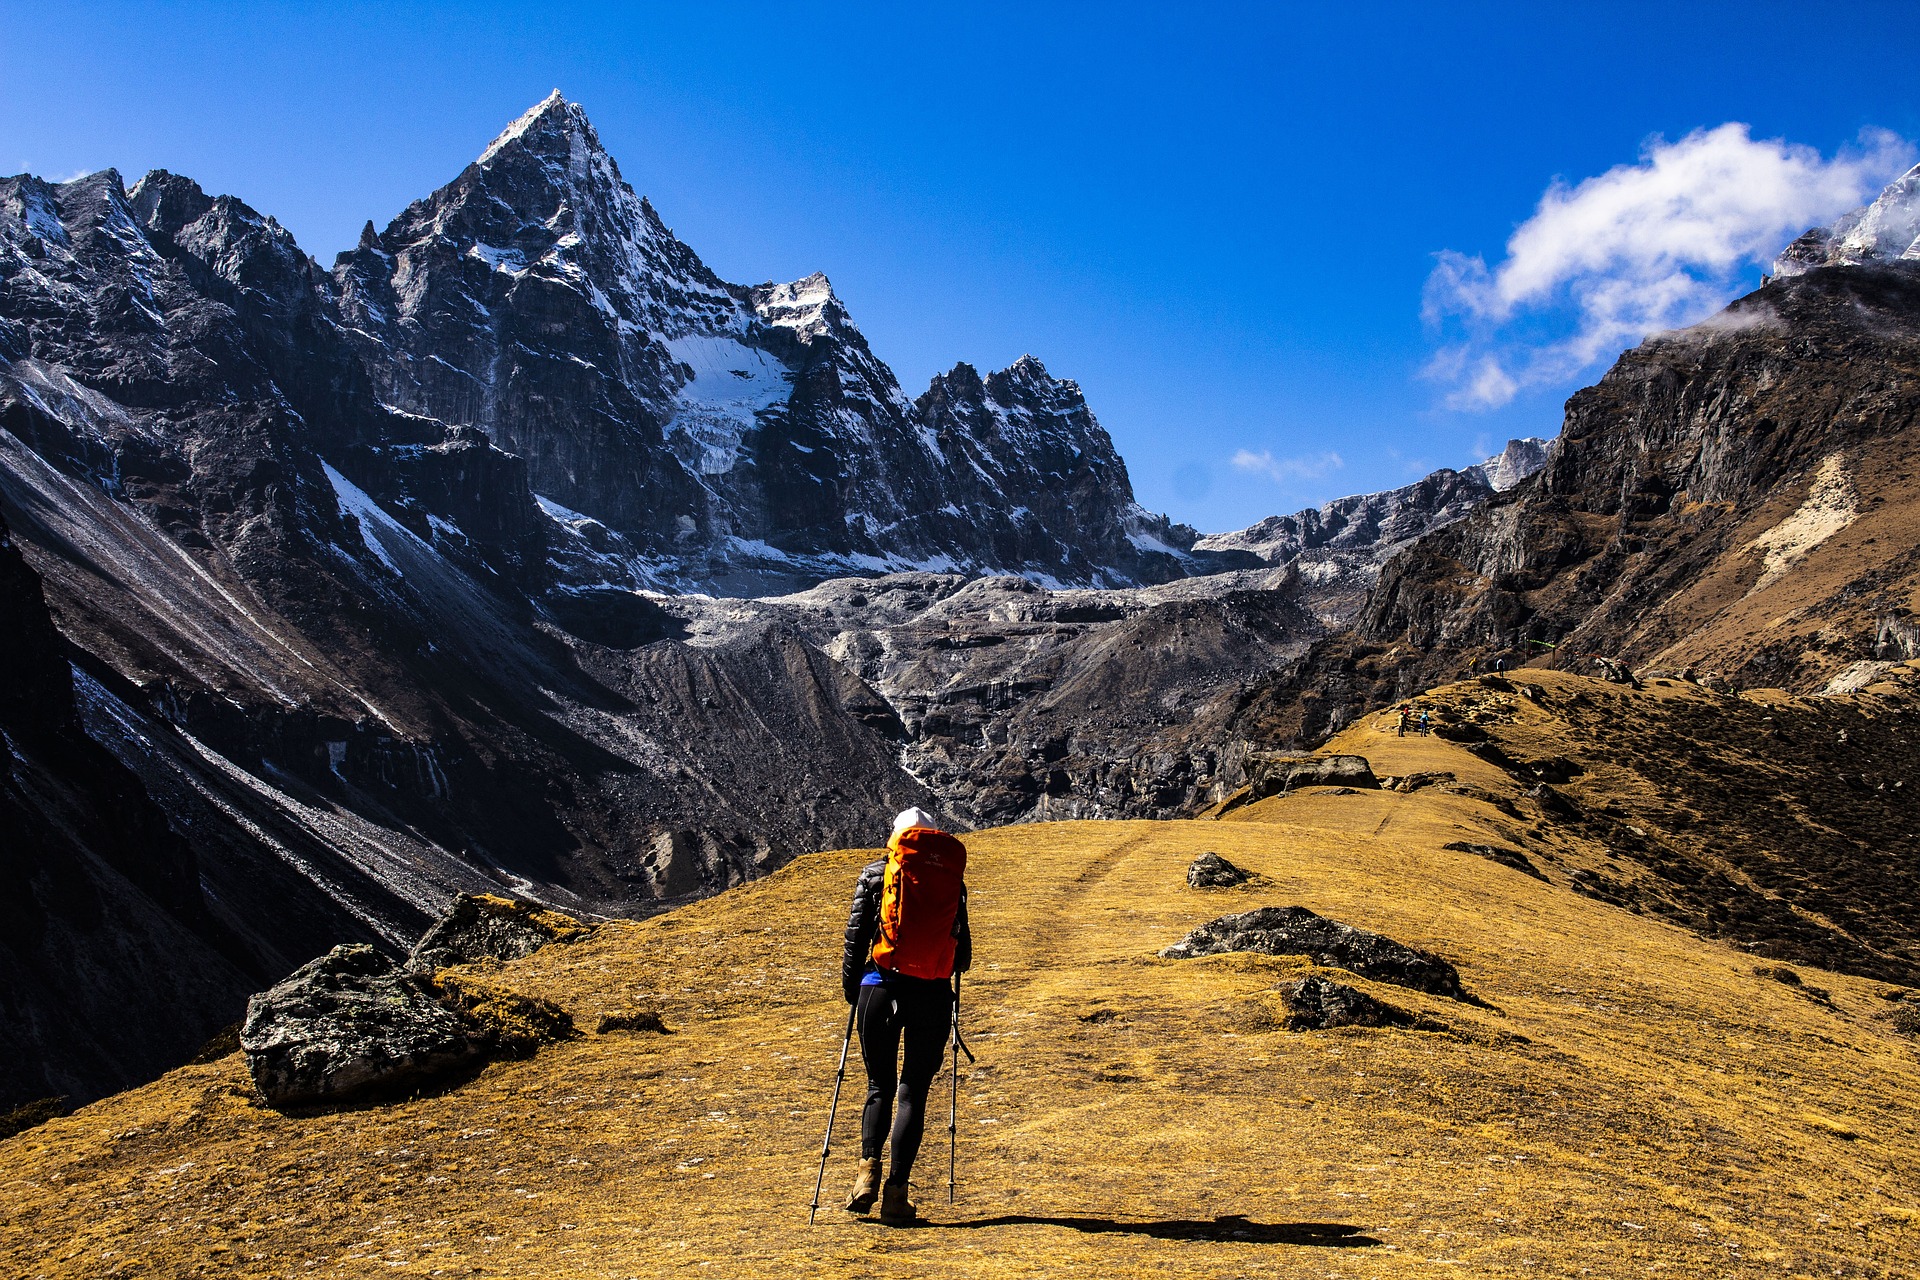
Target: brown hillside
{"x": 1788, "y": 826}
{"x": 1634, "y": 1097}
{"x": 1736, "y": 496}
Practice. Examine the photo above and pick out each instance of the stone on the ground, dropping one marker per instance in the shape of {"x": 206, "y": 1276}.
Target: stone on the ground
{"x": 1494, "y": 853}
{"x": 641, "y": 1020}
{"x": 480, "y": 925}
{"x": 1276, "y": 773}
{"x": 1211, "y": 871}
{"x": 1315, "y": 1003}
{"x": 350, "y": 1026}
{"x": 1296, "y": 931}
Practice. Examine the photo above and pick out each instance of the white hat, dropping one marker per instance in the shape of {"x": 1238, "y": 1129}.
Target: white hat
{"x": 914, "y": 818}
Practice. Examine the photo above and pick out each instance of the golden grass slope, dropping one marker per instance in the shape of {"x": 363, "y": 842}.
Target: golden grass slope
{"x": 1637, "y": 1101}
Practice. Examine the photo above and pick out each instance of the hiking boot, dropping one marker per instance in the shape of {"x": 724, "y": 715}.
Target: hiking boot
{"x": 895, "y": 1209}
{"x": 866, "y": 1185}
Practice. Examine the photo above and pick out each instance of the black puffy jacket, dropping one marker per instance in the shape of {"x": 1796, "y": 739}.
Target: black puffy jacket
{"x": 863, "y": 926}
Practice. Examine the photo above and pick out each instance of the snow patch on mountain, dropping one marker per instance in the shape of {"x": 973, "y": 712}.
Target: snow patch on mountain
{"x": 378, "y": 530}
{"x": 729, "y": 386}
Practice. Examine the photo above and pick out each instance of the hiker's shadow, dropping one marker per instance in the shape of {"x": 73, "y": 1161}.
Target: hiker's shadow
{"x": 1228, "y": 1227}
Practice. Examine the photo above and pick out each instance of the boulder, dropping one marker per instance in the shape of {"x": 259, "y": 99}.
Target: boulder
{"x": 1296, "y": 931}
{"x": 1211, "y": 871}
{"x": 1276, "y": 773}
{"x": 1494, "y": 853}
{"x": 1315, "y": 1003}
{"x": 350, "y": 1026}
{"x": 1614, "y": 672}
{"x": 356, "y": 1026}
{"x": 482, "y": 925}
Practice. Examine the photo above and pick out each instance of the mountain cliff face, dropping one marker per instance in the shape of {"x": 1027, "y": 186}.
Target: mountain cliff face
{"x": 1730, "y": 503}
{"x": 91, "y": 869}
{"x": 319, "y": 631}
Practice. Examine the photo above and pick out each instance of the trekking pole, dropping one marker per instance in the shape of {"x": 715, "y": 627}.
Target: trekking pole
{"x": 826, "y": 1144}
{"x": 953, "y": 1099}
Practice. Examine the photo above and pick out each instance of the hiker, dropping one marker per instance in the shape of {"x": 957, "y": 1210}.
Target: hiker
{"x": 1406, "y": 715}
{"x": 1423, "y": 722}
{"x": 1500, "y": 665}
{"x": 906, "y": 936}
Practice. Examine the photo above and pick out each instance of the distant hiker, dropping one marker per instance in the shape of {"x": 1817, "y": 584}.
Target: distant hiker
{"x": 906, "y": 936}
{"x": 1406, "y": 717}
{"x": 1500, "y": 665}
{"x": 1423, "y": 722}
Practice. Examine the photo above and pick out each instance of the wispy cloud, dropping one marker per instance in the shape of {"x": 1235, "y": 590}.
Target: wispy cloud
{"x": 1283, "y": 470}
{"x": 1640, "y": 248}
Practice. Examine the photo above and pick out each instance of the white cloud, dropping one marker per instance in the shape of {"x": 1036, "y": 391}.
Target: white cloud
{"x": 1283, "y": 470}
{"x": 1640, "y": 248}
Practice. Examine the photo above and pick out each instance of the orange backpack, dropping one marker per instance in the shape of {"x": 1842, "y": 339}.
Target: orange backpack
{"x": 920, "y": 903}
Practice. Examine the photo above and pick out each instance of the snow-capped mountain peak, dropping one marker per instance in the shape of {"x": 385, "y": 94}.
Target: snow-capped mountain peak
{"x": 734, "y": 436}
{"x": 801, "y": 305}
{"x": 542, "y": 116}
{"x": 1888, "y": 230}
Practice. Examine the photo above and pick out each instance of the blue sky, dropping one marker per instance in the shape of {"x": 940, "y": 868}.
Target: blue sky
{"x": 1271, "y": 243}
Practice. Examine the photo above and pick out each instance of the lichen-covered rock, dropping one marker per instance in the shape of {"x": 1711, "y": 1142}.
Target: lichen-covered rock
{"x": 481, "y": 925}
{"x": 1296, "y": 931}
{"x": 352, "y": 1026}
{"x": 1315, "y": 1003}
{"x": 1211, "y": 871}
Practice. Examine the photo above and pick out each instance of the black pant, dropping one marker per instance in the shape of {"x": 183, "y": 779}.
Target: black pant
{"x": 918, "y": 1011}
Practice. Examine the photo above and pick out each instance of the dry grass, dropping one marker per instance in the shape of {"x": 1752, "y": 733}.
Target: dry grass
{"x": 1638, "y": 1100}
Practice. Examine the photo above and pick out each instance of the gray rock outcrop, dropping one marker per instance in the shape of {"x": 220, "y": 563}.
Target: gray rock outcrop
{"x": 356, "y": 1026}
{"x": 1211, "y": 871}
{"x": 1296, "y": 931}
{"x": 1494, "y": 853}
{"x": 352, "y": 1026}
{"x": 1276, "y": 773}
{"x": 1315, "y": 1003}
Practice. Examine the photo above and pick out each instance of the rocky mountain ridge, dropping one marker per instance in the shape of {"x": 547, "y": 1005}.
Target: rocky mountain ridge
{"x": 1340, "y": 546}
